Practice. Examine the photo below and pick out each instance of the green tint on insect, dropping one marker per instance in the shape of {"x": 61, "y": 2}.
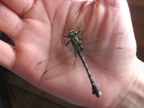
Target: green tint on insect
{"x": 78, "y": 50}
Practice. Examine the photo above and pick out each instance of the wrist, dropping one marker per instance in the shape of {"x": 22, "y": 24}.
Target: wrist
{"x": 133, "y": 95}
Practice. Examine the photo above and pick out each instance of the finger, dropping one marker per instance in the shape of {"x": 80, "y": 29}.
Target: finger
{"x": 10, "y": 23}
{"x": 7, "y": 55}
{"x": 18, "y": 6}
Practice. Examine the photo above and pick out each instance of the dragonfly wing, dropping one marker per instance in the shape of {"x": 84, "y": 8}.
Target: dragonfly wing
{"x": 60, "y": 61}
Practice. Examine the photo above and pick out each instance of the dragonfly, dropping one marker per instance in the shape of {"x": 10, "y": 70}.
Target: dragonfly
{"x": 78, "y": 50}
{"x": 84, "y": 50}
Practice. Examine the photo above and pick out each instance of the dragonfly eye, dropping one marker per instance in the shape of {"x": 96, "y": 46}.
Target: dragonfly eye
{"x": 72, "y": 31}
{"x": 75, "y": 32}
{"x": 71, "y": 34}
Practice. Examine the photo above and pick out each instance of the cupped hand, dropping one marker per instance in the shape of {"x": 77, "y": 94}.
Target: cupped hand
{"x": 37, "y": 28}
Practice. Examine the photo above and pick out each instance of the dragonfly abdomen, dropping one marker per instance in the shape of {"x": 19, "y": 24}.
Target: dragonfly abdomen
{"x": 95, "y": 90}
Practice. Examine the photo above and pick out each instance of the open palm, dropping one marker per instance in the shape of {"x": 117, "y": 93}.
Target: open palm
{"x": 37, "y": 29}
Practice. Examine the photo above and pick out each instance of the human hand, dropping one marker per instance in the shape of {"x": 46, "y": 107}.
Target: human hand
{"x": 37, "y": 26}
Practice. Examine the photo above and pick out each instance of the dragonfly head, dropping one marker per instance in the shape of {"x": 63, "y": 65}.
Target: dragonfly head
{"x": 73, "y": 33}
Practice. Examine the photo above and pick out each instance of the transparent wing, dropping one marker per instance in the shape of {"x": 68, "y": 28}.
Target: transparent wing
{"x": 96, "y": 52}
{"x": 52, "y": 64}
{"x": 102, "y": 52}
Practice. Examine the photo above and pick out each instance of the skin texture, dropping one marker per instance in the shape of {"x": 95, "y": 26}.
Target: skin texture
{"x": 37, "y": 28}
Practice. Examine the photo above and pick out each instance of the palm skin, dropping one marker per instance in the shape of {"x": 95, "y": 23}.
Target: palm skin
{"x": 37, "y": 28}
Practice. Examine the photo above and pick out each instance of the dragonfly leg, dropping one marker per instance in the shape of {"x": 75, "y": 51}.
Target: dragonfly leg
{"x": 67, "y": 42}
